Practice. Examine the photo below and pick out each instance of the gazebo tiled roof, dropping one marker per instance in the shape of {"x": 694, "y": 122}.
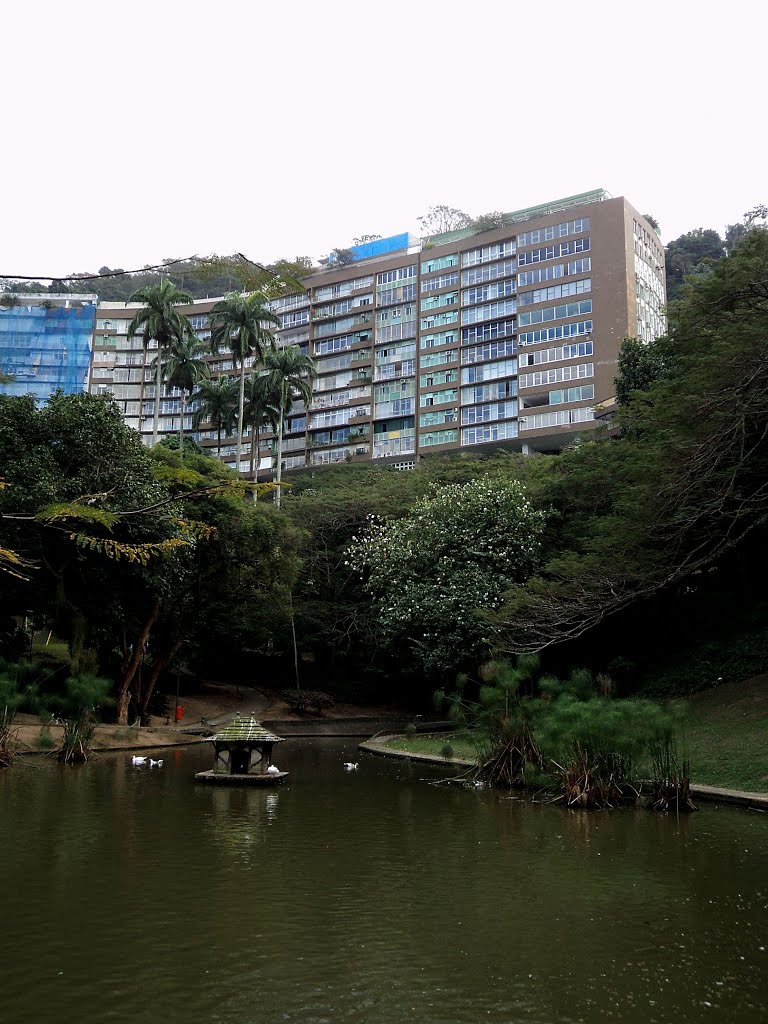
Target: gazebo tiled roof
{"x": 245, "y": 730}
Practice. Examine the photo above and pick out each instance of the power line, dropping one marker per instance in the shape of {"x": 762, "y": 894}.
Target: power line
{"x": 124, "y": 273}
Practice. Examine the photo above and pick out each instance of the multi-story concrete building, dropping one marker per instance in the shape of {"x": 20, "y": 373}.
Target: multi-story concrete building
{"x": 505, "y": 337}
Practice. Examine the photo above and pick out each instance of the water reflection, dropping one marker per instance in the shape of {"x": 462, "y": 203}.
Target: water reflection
{"x": 369, "y": 896}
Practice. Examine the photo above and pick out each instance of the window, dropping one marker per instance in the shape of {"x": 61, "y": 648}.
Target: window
{"x": 438, "y": 437}
{"x": 556, "y": 291}
{"x": 551, "y": 273}
{"x": 439, "y": 263}
{"x": 433, "y": 284}
{"x": 555, "y": 333}
{"x": 439, "y": 320}
{"x": 492, "y": 272}
{"x": 470, "y": 296}
{"x": 391, "y": 276}
{"x": 441, "y": 338}
{"x": 574, "y": 372}
{"x": 494, "y": 432}
{"x": 489, "y": 371}
{"x": 429, "y": 398}
{"x": 489, "y": 312}
{"x": 552, "y": 252}
{"x": 487, "y": 253}
{"x": 571, "y": 227}
{"x": 436, "y": 301}
{"x": 567, "y": 309}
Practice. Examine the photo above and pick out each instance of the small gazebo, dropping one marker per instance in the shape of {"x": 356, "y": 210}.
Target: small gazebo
{"x": 242, "y": 754}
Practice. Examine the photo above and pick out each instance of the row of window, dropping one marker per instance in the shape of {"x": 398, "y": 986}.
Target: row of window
{"x": 495, "y": 391}
{"x": 438, "y": 437}
{"x": 489, "y": 413}
{"x": 400, "y": 274}
{"x": 488, "y": 371}
{"x": 491, "y": 272}
{"x": 439, "y": 416}
{"x": 433, "y": 284}
{"x": 483, "y": 293}
{"x": 486, "y": 253}
{"x": 556, "y": 419}
{"x": 487, "y": 332}
{"x": 555, "y": 354}
{"x": 560, "y": 312}
{"x": 571, "y": 227}
{"x": 439, "y": 263}
{"x": 492, "y": 432}
{"x": 555, "y": 333}
{"x": 490, "y": 350}
{"x": 389, "y": 296}
{"x": 553, "y": 252}
{"x": 438, "y": 301}
{"x": 561, "y": 373}
{"x": 434, "y": 378}
{"x": 556, "y": 291}
{"x": 553, "y": 272}
{"x": 488, "y": 312}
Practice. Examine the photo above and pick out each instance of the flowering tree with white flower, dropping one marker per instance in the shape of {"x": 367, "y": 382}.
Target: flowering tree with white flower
{"x": 450, "y": 558}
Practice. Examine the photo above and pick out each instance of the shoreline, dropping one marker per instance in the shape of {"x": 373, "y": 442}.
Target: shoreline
{"x": 711, "y": 794}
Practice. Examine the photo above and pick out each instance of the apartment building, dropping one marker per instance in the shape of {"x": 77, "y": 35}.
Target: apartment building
{"x": 507, "y": 337}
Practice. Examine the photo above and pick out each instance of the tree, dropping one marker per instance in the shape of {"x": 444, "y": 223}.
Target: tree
{"x": 653, "y": 222}
{"x": 341, "y": 258}
{"x": 439, "y": 219}
{"x": 261, "y": 407}
{"x": 160, "y": 320}
{"x": 240, "y": 323}
{"x": 289, "y": 375}
{"x": 488, "y": 221}
{"x": 691, "y": 254}
{"x": 453, "y": 555}
{"x": 735, "y": 232}
{"x": 683, "y": 490}
{"x": 640, "y": 365}
{"x": 184, "y": 370}
{"x": 217, "y": 405}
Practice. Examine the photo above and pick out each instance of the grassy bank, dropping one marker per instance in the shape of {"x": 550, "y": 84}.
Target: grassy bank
{"x": 726, "y": 733}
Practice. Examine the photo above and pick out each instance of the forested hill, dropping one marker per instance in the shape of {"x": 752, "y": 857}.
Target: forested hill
{"x": 199, "y": 278}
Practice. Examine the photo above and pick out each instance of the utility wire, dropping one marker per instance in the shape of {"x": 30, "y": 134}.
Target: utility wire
{"x": 123, "y": 273}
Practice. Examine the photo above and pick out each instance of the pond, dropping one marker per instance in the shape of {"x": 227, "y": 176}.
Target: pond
{"x": 369, "y": 897}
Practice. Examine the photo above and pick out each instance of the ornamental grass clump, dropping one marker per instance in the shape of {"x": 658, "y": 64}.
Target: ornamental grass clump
{"x": 83, "y": 695}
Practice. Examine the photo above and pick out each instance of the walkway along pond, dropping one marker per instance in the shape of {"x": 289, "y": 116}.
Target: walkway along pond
{"x": 367, "y": 897}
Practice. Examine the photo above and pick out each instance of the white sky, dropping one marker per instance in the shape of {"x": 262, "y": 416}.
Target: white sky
{"x": 134, "y": 131}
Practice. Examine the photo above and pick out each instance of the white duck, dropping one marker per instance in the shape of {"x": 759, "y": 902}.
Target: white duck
{"x": 155, "y": 764}
{"x": 138, "y": 760}
{"x": 273, "y": 770}
{"x": 350, "y": 766}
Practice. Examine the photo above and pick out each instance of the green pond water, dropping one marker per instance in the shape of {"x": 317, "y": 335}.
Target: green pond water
{"x": 133, "y": 895}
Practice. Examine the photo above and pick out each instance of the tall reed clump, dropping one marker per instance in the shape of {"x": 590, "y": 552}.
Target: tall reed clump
{"x": 19, "y": 682}
{"x": 670, "y": 768}
{"x": 83, "y": 696}
{"x": 507, "y": 753}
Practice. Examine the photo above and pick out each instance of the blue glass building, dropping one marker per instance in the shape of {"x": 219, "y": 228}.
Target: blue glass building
{"x": 46, "y": 344}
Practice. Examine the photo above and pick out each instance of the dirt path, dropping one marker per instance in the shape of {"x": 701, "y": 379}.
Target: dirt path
{"x": 213, "y": 705}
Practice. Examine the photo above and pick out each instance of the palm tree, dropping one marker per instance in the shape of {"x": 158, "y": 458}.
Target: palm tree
{"x": 261, "y": 407}
{"x": 159, "y": 319}
{"x": 238, "y": 323}
{"x": 184, "y": 369}
{"x": 290, "y": 375}
{"x": 218, "y": 405}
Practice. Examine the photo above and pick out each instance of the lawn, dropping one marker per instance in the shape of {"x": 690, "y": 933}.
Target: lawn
{"x": 432, "y": 744}
{"x": 727, "y": 735}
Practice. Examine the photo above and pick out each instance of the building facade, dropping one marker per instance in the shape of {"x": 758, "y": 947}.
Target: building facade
{"x": 46, "y": 343}
{"x": 507, "y": 337}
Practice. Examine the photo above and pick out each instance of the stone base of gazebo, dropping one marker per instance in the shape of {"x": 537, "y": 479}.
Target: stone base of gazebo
{"x": 221, "y": 779}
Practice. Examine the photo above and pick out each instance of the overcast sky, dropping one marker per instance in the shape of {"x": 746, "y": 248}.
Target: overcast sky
{"x": 135, "y": 131}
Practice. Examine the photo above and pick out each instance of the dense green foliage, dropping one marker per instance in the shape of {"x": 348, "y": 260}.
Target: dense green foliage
{"x": 135, "y": 558}
{"x": 456, "y": 551}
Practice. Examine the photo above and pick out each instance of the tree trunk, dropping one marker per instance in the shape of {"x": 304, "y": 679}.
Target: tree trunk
{"x": 253, "y": 442}
{"x": 257, "y": 442}
{"x": 240, "y": 413}
{"x": 158, "y": 385}
{"x": 279, "y": 452}
{"x": 158, "y": 667}
{"x": 181, "y": 423}
{"x": 131, "y": 664}
{"x": 219, "y": 442}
